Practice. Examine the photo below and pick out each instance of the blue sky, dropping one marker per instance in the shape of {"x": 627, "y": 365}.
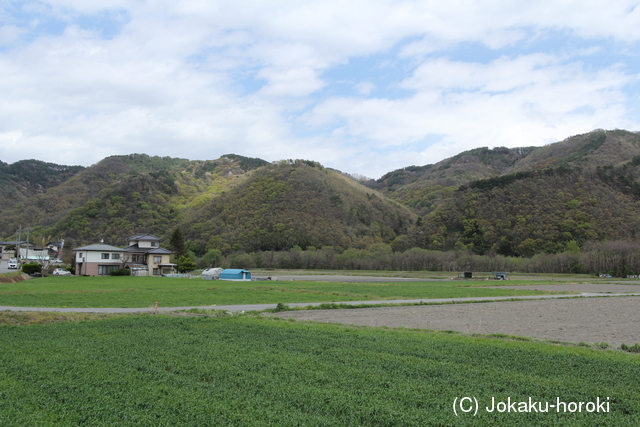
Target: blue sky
{"x": 364, "y": 86}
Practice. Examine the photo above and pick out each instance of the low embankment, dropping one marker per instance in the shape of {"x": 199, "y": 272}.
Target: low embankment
{"x": 13, "y": 277}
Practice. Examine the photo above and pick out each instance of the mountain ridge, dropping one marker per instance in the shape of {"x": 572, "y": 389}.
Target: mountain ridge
{"x": 584, "y": 188}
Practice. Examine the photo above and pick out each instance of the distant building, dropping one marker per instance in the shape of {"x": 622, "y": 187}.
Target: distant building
{"x": 145, "y": 250}
{"x": 9, "y": 249}
{"x": 143, "y": 256}
{"x": 98, "y": 259}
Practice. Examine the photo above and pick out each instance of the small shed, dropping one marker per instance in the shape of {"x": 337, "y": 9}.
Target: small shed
{"x": 211, "y": 273}
{"x": 235, "y": 274}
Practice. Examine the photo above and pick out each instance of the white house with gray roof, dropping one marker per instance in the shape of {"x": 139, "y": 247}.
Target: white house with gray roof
{"x": 98, "y": 259}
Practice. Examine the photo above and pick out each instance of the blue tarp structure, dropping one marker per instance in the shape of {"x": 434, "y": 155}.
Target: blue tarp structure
{"x": 235, "y": 274}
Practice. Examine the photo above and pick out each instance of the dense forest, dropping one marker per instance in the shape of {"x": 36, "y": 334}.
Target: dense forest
{"x": 568, "y": 206}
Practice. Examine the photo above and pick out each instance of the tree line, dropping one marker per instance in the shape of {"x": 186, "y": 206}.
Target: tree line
{"x": 616, "y": 258}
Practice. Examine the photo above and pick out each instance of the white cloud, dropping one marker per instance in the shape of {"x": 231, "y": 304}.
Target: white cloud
{"x": 198, "y": 79}
{"x": 365, "y": 88}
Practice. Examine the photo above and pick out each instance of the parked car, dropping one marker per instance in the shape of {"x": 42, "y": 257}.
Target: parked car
{"x": 61, "y": 272}
{"x": 13, "y": 264}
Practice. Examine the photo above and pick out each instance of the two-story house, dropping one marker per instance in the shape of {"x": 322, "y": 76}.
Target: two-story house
{"x": 143, "y": 255}
{"x": 144, "y": 250}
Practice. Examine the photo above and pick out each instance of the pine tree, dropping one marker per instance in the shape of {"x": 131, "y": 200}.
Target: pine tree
{"x": 177, "y": 243}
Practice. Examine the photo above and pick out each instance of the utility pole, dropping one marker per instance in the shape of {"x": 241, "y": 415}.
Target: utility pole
{"x": 19, "y": 231}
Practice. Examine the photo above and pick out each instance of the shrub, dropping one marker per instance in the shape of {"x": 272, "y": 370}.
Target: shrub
{"x": 281, "y": 307}
{"x": 31, "y": 268}
{"x": 121, "y": 272}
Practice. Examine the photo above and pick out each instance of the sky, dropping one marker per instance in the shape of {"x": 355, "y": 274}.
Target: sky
{"x": 363, "y": 86}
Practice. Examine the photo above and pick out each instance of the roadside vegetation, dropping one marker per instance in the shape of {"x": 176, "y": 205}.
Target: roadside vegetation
{"x": 247, "y": 370}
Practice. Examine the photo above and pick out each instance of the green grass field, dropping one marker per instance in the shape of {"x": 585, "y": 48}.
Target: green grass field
{"x": 256, "y": 371}
{"x": 172, "y": 292}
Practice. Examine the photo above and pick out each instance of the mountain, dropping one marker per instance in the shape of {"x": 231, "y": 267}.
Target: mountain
{"x": 296, "y": 203}
{"x": 233, "y": 202}
{"x": 423, "y": 187}
{"x": 509, "y": 201}
{"x": 561, "y": 196}
{"x": 26, "y": 178}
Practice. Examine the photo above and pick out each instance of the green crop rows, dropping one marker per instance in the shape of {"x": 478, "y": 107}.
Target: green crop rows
{"x": 256, "y": 371}
{"x": 176, "y": 292}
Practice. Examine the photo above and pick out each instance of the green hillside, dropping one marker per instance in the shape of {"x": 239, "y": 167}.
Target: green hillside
{"x": 26, "y": 178}
{"x": 232, "y": 203}
{"x": 506, "y": 201}
{"x": 588, "y": 190}
{"x": 422, "y": 188}
{"x": 296, "y": 203}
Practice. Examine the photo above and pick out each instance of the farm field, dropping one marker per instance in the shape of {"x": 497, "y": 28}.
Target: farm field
{"x": 249, "y": 370}
{"x": 170, "y": 292}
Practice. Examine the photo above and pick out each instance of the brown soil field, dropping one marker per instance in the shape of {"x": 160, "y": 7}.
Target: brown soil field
{"x": 614, "y": 320}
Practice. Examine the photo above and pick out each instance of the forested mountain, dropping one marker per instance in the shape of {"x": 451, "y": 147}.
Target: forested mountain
{"x": 561, "y": 196}
{"x": 296, "y": 203}
{"x": 505, "y": 201}
{"x": 232, "y": 203}
{"x": 26, "y": 178}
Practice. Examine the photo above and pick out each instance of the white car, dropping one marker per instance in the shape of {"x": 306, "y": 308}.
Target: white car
{"x": 61, "y": 272}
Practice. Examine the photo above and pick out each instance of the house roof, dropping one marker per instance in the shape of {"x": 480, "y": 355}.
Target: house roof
{"x": 158, "y": 251}
{"x": 143, "y": 236}
{"x": 101, "y": 247}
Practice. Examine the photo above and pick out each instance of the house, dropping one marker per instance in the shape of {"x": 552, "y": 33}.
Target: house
{"x": 9, "y": 249}
{"x": 143, "y": 255}
{"x": 98, "y": 259}
{"x": 144, "y": 250}
{"x": 55, "y": 248}
{"x": 235, "y": 274}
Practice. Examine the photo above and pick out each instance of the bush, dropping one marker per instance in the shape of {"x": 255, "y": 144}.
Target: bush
{"x": 281, "y": 307}
{"x": 121, "y": 272}
{"x": 31, "y": 267}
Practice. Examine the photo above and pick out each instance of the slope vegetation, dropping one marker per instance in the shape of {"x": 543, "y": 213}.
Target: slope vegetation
{"x": 296, "y": 203}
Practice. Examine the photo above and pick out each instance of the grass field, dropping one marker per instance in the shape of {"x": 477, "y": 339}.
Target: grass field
{"x": 256, "y": 371}
{"x": 171, "y": 292}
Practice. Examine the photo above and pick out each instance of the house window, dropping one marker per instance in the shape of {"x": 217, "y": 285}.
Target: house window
{"x": 156, "y": 272}
{"x": 154, "y": 244}
{"x": 157, "y": 259}
{"x": 105, "y": 256}
{"x": 105, "y": 270}
{"x": 115, "y": 256}
{"x": 137, "y": 258}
